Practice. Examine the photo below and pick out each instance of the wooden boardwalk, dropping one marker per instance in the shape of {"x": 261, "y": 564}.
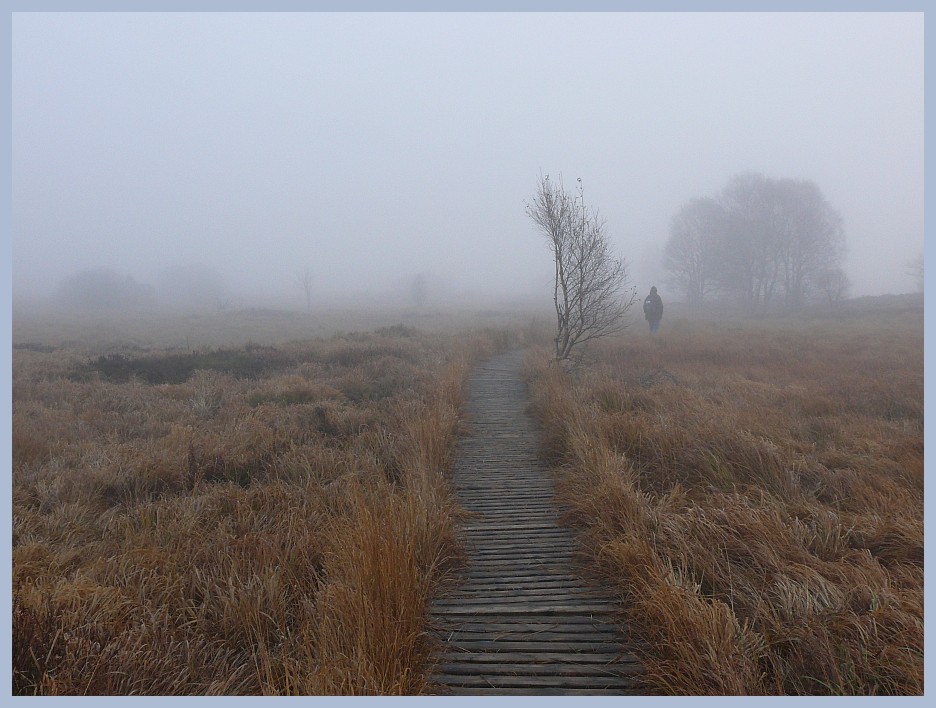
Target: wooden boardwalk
{"x": 521, "y": 621}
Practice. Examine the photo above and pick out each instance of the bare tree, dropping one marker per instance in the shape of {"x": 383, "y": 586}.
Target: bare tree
{"x": 418, "y": 289}
{"x": 305, "y": 280}
{"x": 691, "y": 255}
{"x": 809, "y": 237}
{"x": 833, "y": 283}
{"x": 590, "y": 290}
{"x": 750, "y": 268}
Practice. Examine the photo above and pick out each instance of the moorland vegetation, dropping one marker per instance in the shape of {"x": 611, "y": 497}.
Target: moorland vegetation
{"x": 274, "y": 518}
{"x": 236, "y": 520}
{"x": 753, "y": 490}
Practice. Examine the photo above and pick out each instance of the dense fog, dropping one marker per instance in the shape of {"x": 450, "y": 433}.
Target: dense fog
{"x": 297, "y": 160}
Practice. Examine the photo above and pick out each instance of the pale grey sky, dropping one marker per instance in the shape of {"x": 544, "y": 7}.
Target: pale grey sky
{"x": 369, "y": 147}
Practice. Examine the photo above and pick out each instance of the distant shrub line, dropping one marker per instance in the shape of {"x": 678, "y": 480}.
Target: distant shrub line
{"x": 250, "y": 362}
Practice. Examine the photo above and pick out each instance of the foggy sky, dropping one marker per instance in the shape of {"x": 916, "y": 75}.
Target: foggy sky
{"x": 371, "y": 147}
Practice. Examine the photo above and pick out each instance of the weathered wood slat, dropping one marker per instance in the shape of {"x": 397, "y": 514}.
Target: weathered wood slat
{"x": 501, "y": 568}
{"x": 595, "y": 637}
{"x": 499, "y": 535}
{"x": 534, "y": 624}
{"x": 537, "y": 681}
{"x": 542, "y": 608}
{"x": 536, "y": 691}
{"x": 514, "y": 545}
{"x": 557, "y": 668}
{"x": 497, "y": 585}
{"x": 469, "y": 526}
{"x": 528, "y": 658}
{"x": 508, "y": 645}
{"x": 521, "y": 596}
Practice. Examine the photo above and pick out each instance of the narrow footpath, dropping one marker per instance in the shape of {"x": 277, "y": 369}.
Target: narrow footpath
{"x": 522, "y": 621}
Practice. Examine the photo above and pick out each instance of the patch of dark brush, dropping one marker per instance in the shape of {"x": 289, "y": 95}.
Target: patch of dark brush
{"x": 35, "y": 347}
{"x": 248, "y": 363}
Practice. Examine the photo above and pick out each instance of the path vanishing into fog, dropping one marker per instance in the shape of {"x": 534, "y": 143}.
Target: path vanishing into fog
{"x": 521, "y": 620}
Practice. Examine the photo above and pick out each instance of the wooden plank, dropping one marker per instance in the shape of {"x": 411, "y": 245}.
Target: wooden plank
{"x": 509, "y": 526}
{"x": 518, "y": 569}
{"x": 510, "y": 581}
{"x": 526, "y": 658}
{"x": 555, "y": 547}
{"x": 559, "y": 545}
{"x": 517, "y": 486}
{"x": 563, "y": 550}
{"x": 566, "y": 604}
{"x": 564, "y": 647}
{"x": 520, "y": 490}
{"x": 562, "y": 569}
{"x": 491, "y": 596}
{"x": 523, "y": 590}
{"x": 534, "y": 583}
{"x": 533, "y": 624}
{"x": 514, "y": 571}
{"x": 497, "y": 626}
{"x": 536, "y": 681}
{"x": 517, "y": 555}
{"x": 542, "y": 608}
{"x": 523, "y": 565}
{"x": 552, "y": 541}
{"x": 557, "y": 669}
{"x": 508, "y": 501}
{"x": 521, "y": 554}
{"x": 513, "y": 513}
{"x": 535, "y": 691}
{"x": 544, "y": 528}
{"x": 454, "y": 637}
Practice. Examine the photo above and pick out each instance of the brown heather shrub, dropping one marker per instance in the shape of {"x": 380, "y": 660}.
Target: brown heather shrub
{"x": 254, "y": 530}
{"x": 754, "y": 493}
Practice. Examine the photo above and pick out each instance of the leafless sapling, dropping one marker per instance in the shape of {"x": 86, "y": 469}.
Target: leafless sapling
{"x": 590, "y": 290}
{"x": 305, "y": 280}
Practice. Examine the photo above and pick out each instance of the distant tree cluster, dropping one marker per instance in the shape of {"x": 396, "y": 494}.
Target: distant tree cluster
{"x": 104, "y": 290}
{"x": 762, "y": 242}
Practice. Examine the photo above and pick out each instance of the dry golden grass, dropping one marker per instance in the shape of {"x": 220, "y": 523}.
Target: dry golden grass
{"x": 235, "y": 532}
{"x": 755, "y": 493}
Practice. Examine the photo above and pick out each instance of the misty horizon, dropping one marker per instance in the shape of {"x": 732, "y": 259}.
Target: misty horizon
{"x": 370, "y": 148}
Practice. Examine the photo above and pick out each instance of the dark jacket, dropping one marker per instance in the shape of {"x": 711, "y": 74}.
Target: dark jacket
{"x": 653, "y": 307}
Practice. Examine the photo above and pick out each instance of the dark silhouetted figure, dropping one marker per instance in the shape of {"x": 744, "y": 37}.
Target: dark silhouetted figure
{"x": 653, "y": 309}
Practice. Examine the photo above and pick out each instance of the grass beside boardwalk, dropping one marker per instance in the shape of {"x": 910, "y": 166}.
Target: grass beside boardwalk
{"x": 248, "y": 520}
{"x": 754, "y": 492}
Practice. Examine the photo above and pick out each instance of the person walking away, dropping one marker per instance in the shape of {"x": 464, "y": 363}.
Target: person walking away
{"x": 653, "y": 309}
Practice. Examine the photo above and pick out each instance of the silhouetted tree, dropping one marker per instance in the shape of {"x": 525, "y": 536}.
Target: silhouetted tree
{"x": 691, "y": 255}
{"x": 590, "y": 291}
{"x": 104, "y": 290}
{"x": 305, "y": 280}
{"x": 833, "y": 283}
{"x": 750, "y": 268}
{"x": 418, "y": 289}
{"x": 809, "y": 236}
